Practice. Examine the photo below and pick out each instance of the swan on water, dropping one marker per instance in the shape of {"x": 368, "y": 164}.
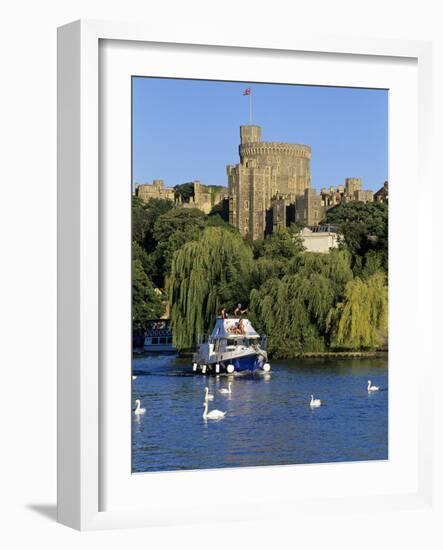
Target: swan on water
{"x": 371, "y": 387}
{"x": 208, "y": 396}
{"x": 212, "y": 415}
{"x": 225, "y": 391}
{"x": 134, "y": 377}
{"x": 138, "y": 409}
{"x": 315, "y": 402}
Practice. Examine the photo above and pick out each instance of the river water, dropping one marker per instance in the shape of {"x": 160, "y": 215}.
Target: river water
{"x": 268, "y": 418}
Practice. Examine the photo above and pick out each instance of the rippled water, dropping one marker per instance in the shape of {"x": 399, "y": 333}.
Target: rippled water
{"x": 268, "y": 421}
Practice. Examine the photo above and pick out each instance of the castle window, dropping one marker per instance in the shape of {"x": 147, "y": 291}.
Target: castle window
{"x": 246, "y": 204}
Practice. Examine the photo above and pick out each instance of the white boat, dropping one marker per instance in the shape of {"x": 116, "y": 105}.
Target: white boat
{"x": 233, "y": 346}
{"x": 158, "y": 336}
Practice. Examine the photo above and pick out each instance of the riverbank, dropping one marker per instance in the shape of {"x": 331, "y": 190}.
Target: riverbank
{"x": 331, "y": 354}
{"x": 344, "y": 354}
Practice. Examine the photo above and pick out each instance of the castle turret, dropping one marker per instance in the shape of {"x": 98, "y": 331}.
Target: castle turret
{"x": 250, "y": 134}
{"x": 352, "y": 186}
{"x": 267, "y": 170}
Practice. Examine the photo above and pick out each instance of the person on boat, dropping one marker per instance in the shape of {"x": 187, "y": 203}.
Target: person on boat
{"x": 237, "y": 328}
{"x": 223, "y": 313}
{"x": 240, "y": 327}
{"x": 239, "y": 311}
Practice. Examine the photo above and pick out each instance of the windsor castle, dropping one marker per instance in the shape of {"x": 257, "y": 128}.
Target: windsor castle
{"x": 268, "y": 189}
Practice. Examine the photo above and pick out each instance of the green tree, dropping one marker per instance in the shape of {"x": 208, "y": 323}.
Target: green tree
{"x": 290, "y": 312}
{"x": 266, "y": 268}
{"x": 139, "y": 221}
{"x": 221, "y": 210}
{"x": 205, "y": 275}
{"x": 171, "y": 231}
{"x": 146, "y": 303}
{"x": 369, "y": 264}
{"x": 217, "y": 220}
{"x": 292, "y": 303}
{"x": 147, "y": 260}
{"x": 335, "y": 266}
{"x": 361, "y": 319}
{"x": 144, "y": 217}
{"x": 364, "y": 227}
{"x": 284, "y": 243}
{"x": 166, "y": 248}
{"x": 178, "y": 219}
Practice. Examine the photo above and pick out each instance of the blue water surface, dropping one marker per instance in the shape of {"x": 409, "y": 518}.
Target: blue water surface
{"x": 268, "y": 418}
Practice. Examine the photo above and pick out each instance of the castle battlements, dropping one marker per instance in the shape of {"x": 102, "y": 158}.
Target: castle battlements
{"x": 274, "y": 148}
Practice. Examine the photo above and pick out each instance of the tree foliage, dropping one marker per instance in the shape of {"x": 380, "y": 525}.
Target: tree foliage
{"x": 293, "y": 310}
{"x": 178, "y": 219}
{"x": 147, "y": 260}
{"x": 144, "y": 217}
{"x": 146, "y": 304}
{"x": 361, "y": 319}
{"x": 205, "y": 275}
{"x": 364, "y": 227}
{"x": 286, "y": 311}
{"x": 163, "y": 254}
{"x": 284, "y": 243}
{"x": 335, "y": 266}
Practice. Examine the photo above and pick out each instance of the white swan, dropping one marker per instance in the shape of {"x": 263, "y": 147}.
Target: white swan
{"x": 315, "y": 402}
{"x": 371, "y": 387}
{"x": 134, "y": 377}
{"x": 225, "y": 391}
{"x": 208, "y": 396}
{"x": 138, "y": 409}
{"x": 212, "y": 415}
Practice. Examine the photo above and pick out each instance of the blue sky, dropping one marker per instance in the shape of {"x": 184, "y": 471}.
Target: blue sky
{"x": 185, "y": 130}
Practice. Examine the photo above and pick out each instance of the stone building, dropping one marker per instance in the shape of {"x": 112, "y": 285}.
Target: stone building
{"x": 154, "y": 190}
{"x": 269, "y": 179}
{"x": 320, "y": 238}
{"x": 382, "y": 195}
{"x": 351, "y": 191}
{"x": 309, "y": 209}
{"x": 271, "y": 187}
{"x": 205, "y": 197}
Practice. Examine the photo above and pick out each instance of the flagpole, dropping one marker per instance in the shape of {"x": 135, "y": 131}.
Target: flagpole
{"x": 250, "y": 107}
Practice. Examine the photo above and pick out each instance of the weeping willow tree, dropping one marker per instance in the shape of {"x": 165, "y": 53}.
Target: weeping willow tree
{"x": 335, "y": 266}
{"x": 361, "y": 319}
{"x": 265, "y": 269}
{"x": 206, "y": 274}
{"x": 292, "y": 312}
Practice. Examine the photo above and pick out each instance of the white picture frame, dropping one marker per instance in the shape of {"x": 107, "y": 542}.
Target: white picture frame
{"x": 84, "y": 212}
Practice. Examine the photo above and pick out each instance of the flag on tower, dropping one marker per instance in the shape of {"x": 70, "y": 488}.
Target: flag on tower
{"x": 247, "y": 91}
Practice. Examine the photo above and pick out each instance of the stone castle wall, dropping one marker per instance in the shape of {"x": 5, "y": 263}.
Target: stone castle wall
{"x": 154, "y": 190}
{"x": 205, "y": 196}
